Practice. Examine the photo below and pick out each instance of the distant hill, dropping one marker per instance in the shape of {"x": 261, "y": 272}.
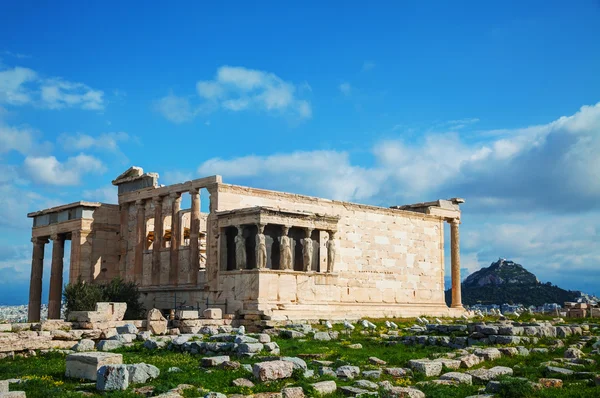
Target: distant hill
{"x": 508, "y": 282}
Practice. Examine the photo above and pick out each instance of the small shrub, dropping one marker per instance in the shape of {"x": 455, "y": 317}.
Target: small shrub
{"x": 81, "y": 296}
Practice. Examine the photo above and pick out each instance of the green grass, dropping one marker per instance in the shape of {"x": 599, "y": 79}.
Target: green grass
{"x": 45, "y": 374}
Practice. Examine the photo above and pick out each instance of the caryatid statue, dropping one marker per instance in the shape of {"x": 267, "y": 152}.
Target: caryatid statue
{"x": 307, "y": 252}
{"x": 286, "y": 249}
{"x": 331, "y": 251}
{"x": 240, "y": 249}
{"x": 261, "y": 248}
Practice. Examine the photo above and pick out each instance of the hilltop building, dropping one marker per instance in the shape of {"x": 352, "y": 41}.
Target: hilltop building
{"x": 257, "y": 254}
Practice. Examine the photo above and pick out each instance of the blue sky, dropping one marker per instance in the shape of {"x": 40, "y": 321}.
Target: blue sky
{"x": 394, "y": 103}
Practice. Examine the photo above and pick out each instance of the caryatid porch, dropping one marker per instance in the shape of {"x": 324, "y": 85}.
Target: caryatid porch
{"x": 268, "y": 238}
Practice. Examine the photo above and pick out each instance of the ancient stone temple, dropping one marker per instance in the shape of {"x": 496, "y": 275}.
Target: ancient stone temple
{"x": 256, "y": 254}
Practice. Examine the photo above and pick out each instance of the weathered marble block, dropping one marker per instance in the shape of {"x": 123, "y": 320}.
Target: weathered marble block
{"x": 213, "y": 313}
{"x": 85, "y": 365}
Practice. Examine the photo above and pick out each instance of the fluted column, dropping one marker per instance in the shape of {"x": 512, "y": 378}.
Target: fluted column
{"x": 175, "y": 238}
{"x": 195, "y": 235}
{"x": 35, "y": 283}
{"x": 140, "y": 237}
{"x": 56, "y": 276}
{"x": 158, "y": 239}
{"x": 455, "y": 258}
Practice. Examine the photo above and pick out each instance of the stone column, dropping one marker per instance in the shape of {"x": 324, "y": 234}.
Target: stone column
{"x": 240, "y": 249}
{"x": 35, "y": 284}
{"x": 195, "y": 235}
{"x": 455, "y": 258}
{"x": 261, "y": 247}
{"x": 331, "y": 251}
{"x": 56, "y": 276}
{"x": 158, "y": 239}
{"x": 124, "y": 239}
{"x": 140, "y": 237}
{"x": 307, "y": 250}
{"x": 175, "y": 239}
{"x": 285, "y": 258}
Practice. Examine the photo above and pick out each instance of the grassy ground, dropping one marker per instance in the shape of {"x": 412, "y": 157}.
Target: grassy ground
{"x": 44, "y": 375}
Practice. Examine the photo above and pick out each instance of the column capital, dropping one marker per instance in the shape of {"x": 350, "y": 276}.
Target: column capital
{"x": 57, "y": 237}
{"x": 194, "y": 191}
{"x": 157, "y": 199}
{"x": 455, "y": 221}
{"x": 39, "y": 240}
{"x": 139, "y": 202}
{"x": 175, "y": 195}
{"x": 261, "y": 227}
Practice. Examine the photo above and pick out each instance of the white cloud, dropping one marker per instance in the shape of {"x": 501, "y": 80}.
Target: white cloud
{"x": 48, "y": 170}
{"x": 239, "y": 89}
{"x": 174, "y": 108}
{"x": 12, "y": 85}
{"x": 105, "y": 141}
{"x": 323, "y": 173}
{"x": 345, "y": 88}
{"x": 104, "y": 194}
{"x": 21, "y": 86}
{"x": 58, "y": 94}
{"x": 15, "y": 139}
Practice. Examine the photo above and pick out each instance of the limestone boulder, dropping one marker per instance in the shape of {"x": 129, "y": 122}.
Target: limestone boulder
{"x": 550, "y": 383}
{"x": 128, "y": 328}
{"x": 325, "y": 387}
{"x": 484, "y": 375}
{"x": 209, "y": 362}
{"x": 108, "y": 345}
{"x": 212, "y": 313}
{"x": 84, "y": 345}
{"x": 574, "y": 353}
{"x": 347, "y": 372}
{"x": 241, "y": 382}
{"x": 156, "y": 323}
{"x": 272, "y": 370}
{"x": 85, "y": 365}
{"x": 292, "y": 392}
{"x": 462, "y": 378}
{"x": 112, "y": 378}
{"x": 425, "y": 366}
{"x": 142, "y": 372}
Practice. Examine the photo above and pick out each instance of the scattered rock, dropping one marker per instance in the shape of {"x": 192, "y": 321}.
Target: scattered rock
{"x": 108, "y": 345}
{"x": 292, "y": 392}
{"x": 112, "y": 378}
{"x": 84, "y": 345}
{"x": 462, "y": 378}
{"x": 325, "y": 387}
{"x": 241, "y": 382}
{"x": 209, "y": 362}
{"x": 142, "y": 372}
{"x": 574, "y": 353}
{"x": 272, "y": 370}
{"x": 426, "y": 366}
